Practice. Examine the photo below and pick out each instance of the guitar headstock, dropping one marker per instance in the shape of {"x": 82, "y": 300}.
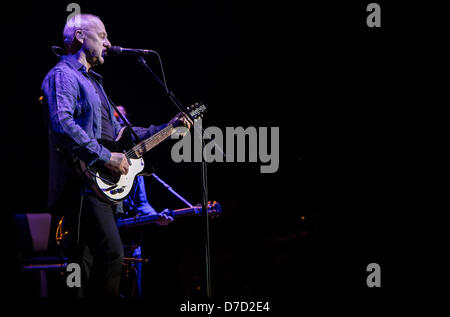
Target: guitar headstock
{"x": 196, "y": 110}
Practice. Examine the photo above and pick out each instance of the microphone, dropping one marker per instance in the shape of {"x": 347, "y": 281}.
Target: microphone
{"x": 117, "y": 50}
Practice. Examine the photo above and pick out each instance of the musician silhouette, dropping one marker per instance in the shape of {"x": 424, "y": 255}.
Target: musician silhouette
{"x": 78, "y": 114}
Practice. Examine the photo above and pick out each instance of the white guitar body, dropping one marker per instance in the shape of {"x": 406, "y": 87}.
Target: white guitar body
{"x": 114, "y": 193}
{"x": 125, "y": 183}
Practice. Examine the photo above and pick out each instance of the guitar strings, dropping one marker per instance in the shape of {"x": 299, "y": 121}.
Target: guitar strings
{"x": 156, "y": 137}
{"x": 143, "y": 144}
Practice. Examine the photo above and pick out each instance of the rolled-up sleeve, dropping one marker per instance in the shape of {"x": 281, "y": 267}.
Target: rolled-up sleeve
{"x": 61, "y": 91}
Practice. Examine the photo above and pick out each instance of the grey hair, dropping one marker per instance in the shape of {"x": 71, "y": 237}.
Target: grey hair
{"x": 73, "y": 24}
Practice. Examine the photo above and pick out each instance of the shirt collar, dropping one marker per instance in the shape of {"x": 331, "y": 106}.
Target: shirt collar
{"x": 75, "y": 64}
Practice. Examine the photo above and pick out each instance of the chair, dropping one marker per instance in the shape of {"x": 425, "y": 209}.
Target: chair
{"x": 34, "y": 245}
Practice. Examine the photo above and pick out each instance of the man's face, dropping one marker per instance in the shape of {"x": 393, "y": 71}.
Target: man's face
{"x": 95, "y": 42}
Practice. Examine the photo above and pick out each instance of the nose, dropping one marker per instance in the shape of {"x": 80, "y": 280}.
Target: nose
{"x": 106, "y": 43}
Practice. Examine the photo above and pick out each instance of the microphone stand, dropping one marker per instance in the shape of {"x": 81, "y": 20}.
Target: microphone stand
{"x": 205, "y": 213}
{"x": 170, "y": 189}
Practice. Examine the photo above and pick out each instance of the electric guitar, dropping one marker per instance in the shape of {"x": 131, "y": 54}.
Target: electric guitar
{"x": 113, "y": 189}
{"x": 127, "y": 223}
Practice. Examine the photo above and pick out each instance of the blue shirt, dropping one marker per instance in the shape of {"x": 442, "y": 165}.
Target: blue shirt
{"x": 73, "y": 114}
{"x": 107, "y": 126}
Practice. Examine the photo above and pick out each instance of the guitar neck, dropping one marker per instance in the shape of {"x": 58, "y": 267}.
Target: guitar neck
{"x": 144, "y": 220}
{"x": 146, "y": 145}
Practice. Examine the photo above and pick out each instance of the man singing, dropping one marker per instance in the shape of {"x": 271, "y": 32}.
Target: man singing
{"x": 77, "y": 113}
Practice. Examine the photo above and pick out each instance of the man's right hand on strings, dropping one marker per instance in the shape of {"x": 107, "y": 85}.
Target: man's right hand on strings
{"x": 118, "y": 164}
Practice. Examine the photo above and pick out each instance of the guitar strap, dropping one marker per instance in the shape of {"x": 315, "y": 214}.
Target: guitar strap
{"x": 124, "y": 119}
{"x": 128, "y": 124}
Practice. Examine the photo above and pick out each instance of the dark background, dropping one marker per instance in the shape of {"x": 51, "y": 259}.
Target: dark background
{"x": 332, "y": 85}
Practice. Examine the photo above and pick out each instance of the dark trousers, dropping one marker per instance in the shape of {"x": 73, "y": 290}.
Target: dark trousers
{"x": 100, "y": 250}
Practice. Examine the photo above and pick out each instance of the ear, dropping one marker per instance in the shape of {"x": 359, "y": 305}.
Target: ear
{"x": 79, "y": 35}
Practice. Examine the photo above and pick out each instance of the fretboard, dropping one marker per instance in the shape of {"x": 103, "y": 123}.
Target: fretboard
{"x": 146, "y": 145}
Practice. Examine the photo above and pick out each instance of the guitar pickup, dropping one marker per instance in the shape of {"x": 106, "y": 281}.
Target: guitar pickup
{"x": 116, "y": 191}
